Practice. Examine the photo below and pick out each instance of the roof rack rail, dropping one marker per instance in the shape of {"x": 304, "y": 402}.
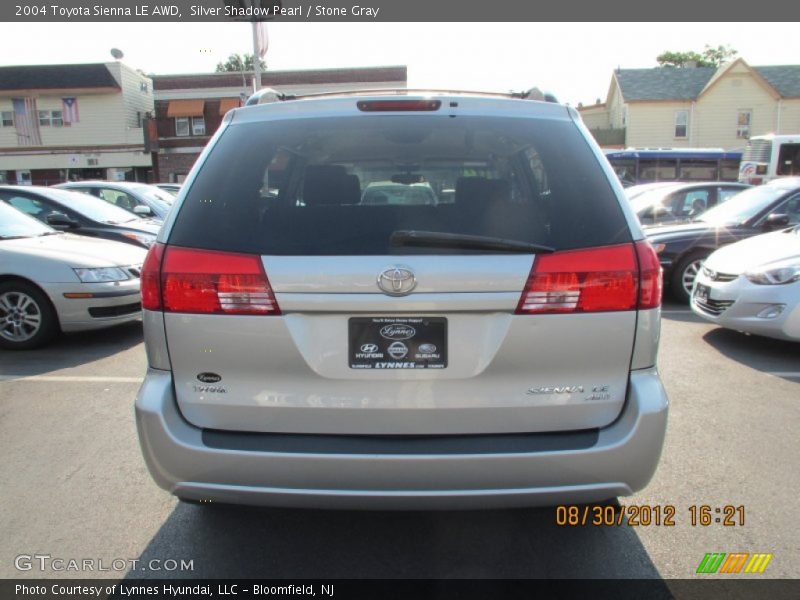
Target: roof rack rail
{"x": 270, "y": 95}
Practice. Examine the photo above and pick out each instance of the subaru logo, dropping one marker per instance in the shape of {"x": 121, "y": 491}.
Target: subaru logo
{"x": 397, "y": 281}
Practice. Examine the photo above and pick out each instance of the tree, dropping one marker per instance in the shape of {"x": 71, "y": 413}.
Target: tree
{"x": 711, "y": 57}
{"x": 237, "y": 63}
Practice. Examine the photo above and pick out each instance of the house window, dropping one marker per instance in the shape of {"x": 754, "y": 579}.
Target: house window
{"x": 198, "y": 126}
{"x": 186, "y": 126}
{"x": 51, "y": 118}
{"x": 182, "y": 126}
{"x": 681, "y": 123}
{"x": 743, "y": 124}
{"x": 7, "y": 118}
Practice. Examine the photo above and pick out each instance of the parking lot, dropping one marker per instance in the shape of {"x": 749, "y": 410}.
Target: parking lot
{"x": 75, "y": 486}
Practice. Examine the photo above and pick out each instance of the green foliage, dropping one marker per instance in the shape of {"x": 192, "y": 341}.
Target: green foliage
{"x": 710, "y": 57}
{"x": 238, "y": 63}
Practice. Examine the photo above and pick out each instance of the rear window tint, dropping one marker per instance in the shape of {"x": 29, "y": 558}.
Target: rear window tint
{"x": 342, "y": 186}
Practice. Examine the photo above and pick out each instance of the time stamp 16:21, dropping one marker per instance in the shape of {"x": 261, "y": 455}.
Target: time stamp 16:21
{"x": 644, "y": 515}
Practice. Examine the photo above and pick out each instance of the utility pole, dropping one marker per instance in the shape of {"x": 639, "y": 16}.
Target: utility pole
{"x": 256, "y": 58}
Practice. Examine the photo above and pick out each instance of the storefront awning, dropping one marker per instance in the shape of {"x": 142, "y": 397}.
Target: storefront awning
{"x": 227, "y": 104}
{"x": 185, "y": 108}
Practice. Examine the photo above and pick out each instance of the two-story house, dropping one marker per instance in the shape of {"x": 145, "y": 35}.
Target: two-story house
{"x": 189, "y": 108}
{"x": 83, "y": 121}
{"x": 700, "y": 107}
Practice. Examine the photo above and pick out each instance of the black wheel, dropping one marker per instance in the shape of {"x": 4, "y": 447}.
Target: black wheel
{"x": 27, "y": 319}
{"x": 684, "y": 274}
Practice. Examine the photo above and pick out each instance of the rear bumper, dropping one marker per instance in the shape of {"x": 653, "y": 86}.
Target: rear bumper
{"x": 620, "y": 461}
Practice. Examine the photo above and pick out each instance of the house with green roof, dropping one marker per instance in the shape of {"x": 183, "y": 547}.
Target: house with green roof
{"x": 700, "y": 107}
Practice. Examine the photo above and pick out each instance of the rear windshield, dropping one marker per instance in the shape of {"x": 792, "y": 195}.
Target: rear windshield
{"x": 342, "y": 186}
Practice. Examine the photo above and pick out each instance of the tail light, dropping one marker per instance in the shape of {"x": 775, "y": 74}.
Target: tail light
{"x": 649, "y": 275}
{"x": 611, "y": 278}
{"x": 207, "y": 282}
{"x": 150, "y": 278}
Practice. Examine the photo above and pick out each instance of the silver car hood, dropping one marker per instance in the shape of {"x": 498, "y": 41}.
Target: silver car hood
{"x": 755, "y": 251}
{"x": 75, "y": 250}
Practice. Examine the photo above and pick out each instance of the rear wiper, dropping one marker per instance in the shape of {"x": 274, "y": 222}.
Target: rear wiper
{"x": 437, "y": 239}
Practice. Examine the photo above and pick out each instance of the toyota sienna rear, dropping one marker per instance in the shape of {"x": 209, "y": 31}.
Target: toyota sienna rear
{"x": 401, "y": 301}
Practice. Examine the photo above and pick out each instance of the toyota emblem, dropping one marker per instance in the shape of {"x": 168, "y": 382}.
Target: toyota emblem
{"x": 397, "y": 281}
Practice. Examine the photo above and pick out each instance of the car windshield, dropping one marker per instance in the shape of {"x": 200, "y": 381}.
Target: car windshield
{"x": 15, "y": 224}
{"x": 742, "y": 207}
{"x": 397, "y": 193}
{"x": 637, "y": 190}
{"x": 650, "y": 198}
{"x": 159, "y": 197}
{"x": 91, "y": 207}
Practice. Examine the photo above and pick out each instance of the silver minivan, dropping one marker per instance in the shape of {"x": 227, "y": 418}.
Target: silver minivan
{"x": 494, "y": 347}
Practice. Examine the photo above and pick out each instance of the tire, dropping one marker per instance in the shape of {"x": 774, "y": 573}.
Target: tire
{"x": 27, "y": 318}
{"x": 684, "y": 274}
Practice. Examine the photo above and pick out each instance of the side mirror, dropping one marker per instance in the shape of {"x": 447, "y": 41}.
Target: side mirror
{"x": 60, "y": 221}
{"x": 775, "y": 221}
{"x": 142, "y": 209}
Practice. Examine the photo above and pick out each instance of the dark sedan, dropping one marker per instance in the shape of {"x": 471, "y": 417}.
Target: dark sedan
{"x": 683, "y": 248}
{"x": 679, "y": 202}
{"x": 80, "y": 214}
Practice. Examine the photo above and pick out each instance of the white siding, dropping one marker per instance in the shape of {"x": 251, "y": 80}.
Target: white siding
{"x": 717, "y": 109}
{"x": 616, "y": 107}
{"x": 595, "y": 117}
{"x": 790, "y": 116}
{"x": 652, "y": 124}
{"x": 135, "y": 99}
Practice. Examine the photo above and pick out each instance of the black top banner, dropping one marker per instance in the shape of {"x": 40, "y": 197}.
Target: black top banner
{"x": 393, "y": 10}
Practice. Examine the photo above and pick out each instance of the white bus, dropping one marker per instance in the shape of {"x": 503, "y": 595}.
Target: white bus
{"x": 767, "y": 157}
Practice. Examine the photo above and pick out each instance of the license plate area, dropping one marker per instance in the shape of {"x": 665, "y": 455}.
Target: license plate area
{"x": 397, "y": 342}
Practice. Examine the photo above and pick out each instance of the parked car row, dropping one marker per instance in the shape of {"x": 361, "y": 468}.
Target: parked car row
{"x": 683, "y": 247}
{"x": 51, "y": 281}
{"x": 71, "y": 261}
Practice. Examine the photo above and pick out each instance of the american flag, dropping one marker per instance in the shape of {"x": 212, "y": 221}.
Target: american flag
{"x": 70, "y": 110}
{"x": 26, "y": 118}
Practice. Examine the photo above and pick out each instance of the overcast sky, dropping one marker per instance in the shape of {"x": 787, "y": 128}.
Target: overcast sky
{"x": 573, "y": 60}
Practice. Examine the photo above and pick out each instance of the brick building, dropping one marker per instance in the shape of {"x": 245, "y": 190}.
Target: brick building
{"x": 189, "y": 108}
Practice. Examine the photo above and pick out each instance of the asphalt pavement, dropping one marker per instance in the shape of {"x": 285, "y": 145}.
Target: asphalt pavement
{"x": 74, "y": 485}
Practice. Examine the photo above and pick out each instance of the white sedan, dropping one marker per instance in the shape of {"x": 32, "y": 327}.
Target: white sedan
{"x": 753, "y": 286}
{"x": 52, "y": 281}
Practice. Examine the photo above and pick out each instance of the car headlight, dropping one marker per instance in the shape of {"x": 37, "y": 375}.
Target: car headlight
{"x": 101, "y": 274}
{"x": 775, "y": 274}
{"x": 143, "y": 238}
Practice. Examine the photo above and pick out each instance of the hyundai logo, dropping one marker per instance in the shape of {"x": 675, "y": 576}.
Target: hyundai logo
{"x": 369, "y": 348}
{"x": 397, "y": 281}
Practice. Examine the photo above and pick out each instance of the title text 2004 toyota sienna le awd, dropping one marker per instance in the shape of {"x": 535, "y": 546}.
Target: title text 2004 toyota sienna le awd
{"x": 494, "y": 346}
